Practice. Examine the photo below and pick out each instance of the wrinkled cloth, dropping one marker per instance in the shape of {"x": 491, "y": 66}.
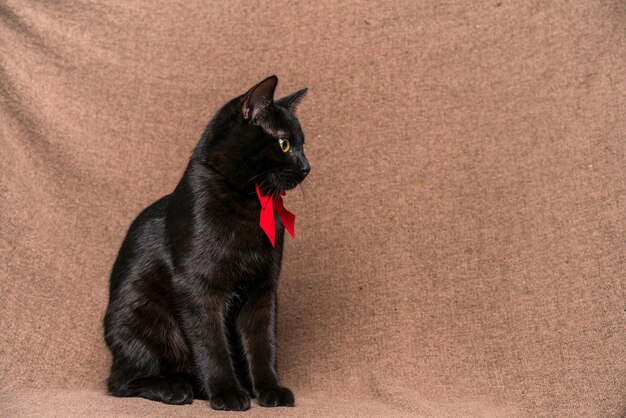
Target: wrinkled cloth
{"x": 460, "y": 244}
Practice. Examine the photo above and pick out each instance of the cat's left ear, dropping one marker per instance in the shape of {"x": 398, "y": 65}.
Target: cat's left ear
{"x": 291, "y": 102}
{"x": 257, "y": 100}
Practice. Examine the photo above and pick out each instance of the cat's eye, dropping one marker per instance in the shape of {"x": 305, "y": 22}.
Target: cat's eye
{"x": 284, "y": 144}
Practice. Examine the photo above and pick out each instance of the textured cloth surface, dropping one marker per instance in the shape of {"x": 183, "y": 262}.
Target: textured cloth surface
{"x": 462, "y": 252}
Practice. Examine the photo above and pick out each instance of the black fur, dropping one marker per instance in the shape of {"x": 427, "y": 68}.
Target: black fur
{"x": 192, "y": 308}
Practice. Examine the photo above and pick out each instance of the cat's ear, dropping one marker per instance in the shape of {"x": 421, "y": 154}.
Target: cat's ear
{"x": 259, "y": 98}
{"x": 291, "y": 102}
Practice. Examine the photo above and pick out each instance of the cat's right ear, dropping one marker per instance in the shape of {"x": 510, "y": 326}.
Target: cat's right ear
{"x": 259, "y": 98}
{"x": 291, "y": 102}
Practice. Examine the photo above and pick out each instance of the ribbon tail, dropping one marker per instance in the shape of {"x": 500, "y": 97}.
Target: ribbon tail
{"x": 287, "y": 218}
{"x": 268, "y": 223}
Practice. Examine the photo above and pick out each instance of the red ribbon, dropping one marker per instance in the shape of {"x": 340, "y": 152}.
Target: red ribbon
{"x": 269, "y": 205}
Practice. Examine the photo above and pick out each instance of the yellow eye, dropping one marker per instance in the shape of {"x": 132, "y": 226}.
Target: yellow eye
{"x": 284, "y": 144}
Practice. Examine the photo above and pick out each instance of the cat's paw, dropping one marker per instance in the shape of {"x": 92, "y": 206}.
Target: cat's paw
{"x": 230, "y": 400}
{"x": 178, "y": 393}
{"x": 275, "y": 396}
{"x": 174, "y": 392}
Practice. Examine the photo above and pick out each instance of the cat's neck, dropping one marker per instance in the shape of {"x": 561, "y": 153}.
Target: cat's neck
{"x": 203, "y": 176}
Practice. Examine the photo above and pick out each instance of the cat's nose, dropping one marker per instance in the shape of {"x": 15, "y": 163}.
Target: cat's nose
{"x": 305, "y": 167}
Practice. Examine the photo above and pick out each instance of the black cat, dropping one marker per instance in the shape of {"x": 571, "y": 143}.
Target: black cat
{"x": 192, "y": 307}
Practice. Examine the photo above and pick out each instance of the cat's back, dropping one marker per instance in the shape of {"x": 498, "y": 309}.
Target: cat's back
{"x": 145, "y": 244}
{"x": 140, "y": 297}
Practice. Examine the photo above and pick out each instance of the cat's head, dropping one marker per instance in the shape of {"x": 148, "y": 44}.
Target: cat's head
{"x": 255, "y": 139}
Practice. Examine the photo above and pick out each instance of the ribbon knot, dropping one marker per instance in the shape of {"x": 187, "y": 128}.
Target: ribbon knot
{"x": 269, "y": 205}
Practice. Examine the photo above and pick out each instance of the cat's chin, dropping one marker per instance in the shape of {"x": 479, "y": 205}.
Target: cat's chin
{"x": 283, "y": 184}
{"x": 289, "y": 186}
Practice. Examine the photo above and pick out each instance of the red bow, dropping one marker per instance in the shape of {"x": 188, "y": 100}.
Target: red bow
{"x": 269, "y": 204}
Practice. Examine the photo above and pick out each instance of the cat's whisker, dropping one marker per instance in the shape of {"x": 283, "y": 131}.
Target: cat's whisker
{"x": 302, "y": 190}
{"x": 306, "y": 185}
{"x": 257, "y": 176}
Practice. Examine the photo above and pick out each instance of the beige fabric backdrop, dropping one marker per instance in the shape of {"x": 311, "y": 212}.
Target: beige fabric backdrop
{"x": 463, "y": 252}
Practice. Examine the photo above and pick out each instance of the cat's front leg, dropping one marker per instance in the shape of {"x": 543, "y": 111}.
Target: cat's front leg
{"x": 256, "y": 322}
{"x": 201, "y": 310}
